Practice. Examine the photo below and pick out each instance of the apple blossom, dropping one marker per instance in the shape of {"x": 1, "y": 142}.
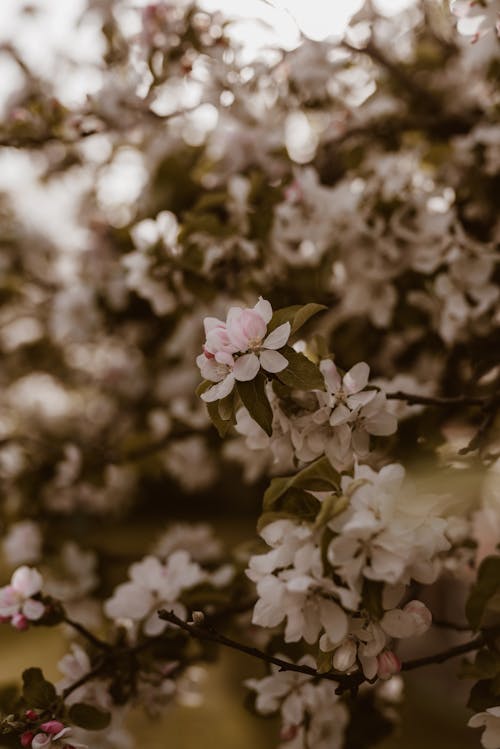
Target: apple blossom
{"x": 235, "y": 350}
{"x": 17, "y": 602}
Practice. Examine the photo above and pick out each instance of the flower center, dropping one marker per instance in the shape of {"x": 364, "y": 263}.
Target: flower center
{"x": 254, "y": 343}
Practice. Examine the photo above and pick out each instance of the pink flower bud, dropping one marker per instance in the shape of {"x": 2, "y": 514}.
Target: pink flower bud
{"x": 388, "y": 664}
{"x": 20, "y": 622}
{"x": 27, "y": 737}
{"x": 31, "y": 714}
{"x": 420, "y": 614}
{"x": 52, "y": 726}
{"x": 288, "y": 733}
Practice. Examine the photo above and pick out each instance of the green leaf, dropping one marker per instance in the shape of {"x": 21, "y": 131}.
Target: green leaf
{"x": 486, "y": 665}
{"x": 37, "y": 691}
{"x": 254, "y": 398}
{"x": 484, "y": 589}
{"x": 203, "y": 386}
{"x": 324, "y": 661}
{"x": 88, "y": 717}
{"x": 482, "y": 696}
{"x": 221, "y": 425}
{"x": 319, "y": 476}
{"x": 297, "y": 315}
{"x": 301, "y": 373}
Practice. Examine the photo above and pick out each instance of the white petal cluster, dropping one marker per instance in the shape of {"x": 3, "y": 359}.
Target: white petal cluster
{"x": 311, "y": 714}
{"x": 154, "y": 585}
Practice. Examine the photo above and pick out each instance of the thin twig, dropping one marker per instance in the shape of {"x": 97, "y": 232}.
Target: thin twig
{"x": 445, "y": 655}
{"x": 427, "y": 400}
{"x": 89, "y": 636}
{"x": 211, "y": 635}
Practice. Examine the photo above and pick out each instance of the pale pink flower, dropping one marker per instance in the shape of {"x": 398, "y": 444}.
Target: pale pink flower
{"x": 237, "y": 349}
{"x": 17, "y": 604}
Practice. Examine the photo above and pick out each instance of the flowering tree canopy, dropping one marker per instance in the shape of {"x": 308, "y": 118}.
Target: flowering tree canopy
{"x": 266, "y": 281}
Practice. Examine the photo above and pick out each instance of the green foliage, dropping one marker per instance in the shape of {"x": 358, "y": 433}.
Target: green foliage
{"x": 88, "y": 717}
{"x": 301, "y": 373}
{"x": 254, "y": 398}
{"x": 318, "y": 476}
{"x": 297, "y": 315}
{"x": 37, "y": 691}
{"x": 483, "y": 591}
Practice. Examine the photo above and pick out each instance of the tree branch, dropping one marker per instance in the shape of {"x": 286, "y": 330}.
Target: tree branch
{"x": 209, "y": 634}
{"x": 445, "y": 655}
{"x": 89, "y": 636}
{"x": 425, "y": 400}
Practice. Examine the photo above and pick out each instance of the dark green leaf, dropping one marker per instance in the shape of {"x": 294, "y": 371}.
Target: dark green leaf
{"x": 297, "y": 315}
{"x": 220, "y": 424}
{"x": 301, "y": 373}
{"x": 37, "y": 691}
{"x": 482, "y": 696}
{"x": 254, "y": 398}
{"x": 485, "y": 587}
{"x": 88, "y": 717}
{"x": 318, "y": 476}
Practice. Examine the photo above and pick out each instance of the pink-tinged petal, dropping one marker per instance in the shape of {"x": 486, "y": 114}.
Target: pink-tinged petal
{"x": 246, "y": 367}
{"x": 53, "y": 726}
{"x": 330, "y": 375}
{"x": 27, "y": 581}
{"x": 223, "y": 357}
{"x": 252, "y": 325}
{"x": 340, "y": 415}
{"x": 357, "y": 377}
{"x": 264, "y": 309}
{"x": 209, "y": 323}
{"x": 219, "y": 391}
{"x": 33, "y": 610}
{"x": 273, "y": 361}
{"x": 278, "y": 337}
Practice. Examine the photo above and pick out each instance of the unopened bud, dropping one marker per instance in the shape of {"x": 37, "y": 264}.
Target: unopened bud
{"x": 288, "y": 733}
{"x": 198, "y": 617}
{"x": 420, "y": 614}
{"x": 388, "y": 664}
{"x": 20, "y": 622}
{"x": 344, "y": 657}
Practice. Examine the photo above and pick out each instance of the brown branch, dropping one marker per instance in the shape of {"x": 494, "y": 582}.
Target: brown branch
{"x": 85, "y": 633}
{"x": 345, "y": 681}
{"x": 444, "y": 655}
{"x": 425, "y": 400}
{"x": 209, "y": 634}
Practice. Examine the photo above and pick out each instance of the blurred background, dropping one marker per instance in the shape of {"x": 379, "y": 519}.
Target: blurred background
{"x": 153, "y": 169}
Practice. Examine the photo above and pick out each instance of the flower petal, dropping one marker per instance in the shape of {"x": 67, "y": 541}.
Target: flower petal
{"x": 278, "y": 337}
{"x": 219, "y": 391}
{"x": 246, "y": 367}
{"x": 357, "y": 377}
{"x": 330, "y": 375}
{"x": 273, "y": 361}
{"x": 264, "y": 309}
{"x": 334, "y": 620}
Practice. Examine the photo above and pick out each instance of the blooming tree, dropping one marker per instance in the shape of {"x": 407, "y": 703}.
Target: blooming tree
{"x": 314, "y": 234}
